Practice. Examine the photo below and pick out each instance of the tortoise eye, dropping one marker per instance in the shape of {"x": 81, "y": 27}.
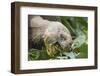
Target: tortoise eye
{"x": 62, "y": 37}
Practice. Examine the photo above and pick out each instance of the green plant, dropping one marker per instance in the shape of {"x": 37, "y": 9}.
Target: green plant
{"x": 78, "y": 27}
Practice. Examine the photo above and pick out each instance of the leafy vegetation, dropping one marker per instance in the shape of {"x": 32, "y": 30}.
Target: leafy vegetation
{"x": 78, "y": 27}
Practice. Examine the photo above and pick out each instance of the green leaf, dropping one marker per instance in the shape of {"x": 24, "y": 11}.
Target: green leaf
{"x": 83, "y": 51}
{"x": 33, "y": 54}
